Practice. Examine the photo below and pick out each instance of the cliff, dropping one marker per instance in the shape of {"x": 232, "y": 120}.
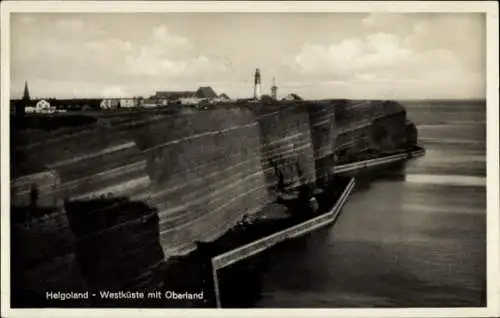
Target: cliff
{"x": 168, "y": 180}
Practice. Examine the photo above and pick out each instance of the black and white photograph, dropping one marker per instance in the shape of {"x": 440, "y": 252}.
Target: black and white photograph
{"x": 262, "y": 156}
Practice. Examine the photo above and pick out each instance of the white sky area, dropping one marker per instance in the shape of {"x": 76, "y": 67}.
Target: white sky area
{"x": 315, "y": 55}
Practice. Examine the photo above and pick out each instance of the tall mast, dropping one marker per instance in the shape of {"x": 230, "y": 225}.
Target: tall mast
{"x": 274, "y": 90}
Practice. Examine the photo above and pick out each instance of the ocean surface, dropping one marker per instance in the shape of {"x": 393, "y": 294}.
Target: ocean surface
{"x": 415, "y": 238}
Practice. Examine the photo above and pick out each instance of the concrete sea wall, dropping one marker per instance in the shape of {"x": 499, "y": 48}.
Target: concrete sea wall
{"x": 132, "y": 189}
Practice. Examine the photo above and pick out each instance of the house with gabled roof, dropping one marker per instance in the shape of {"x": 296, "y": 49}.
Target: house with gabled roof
{"x": 224, "y": 97}
{"x": 204, "y": 93}
{"x": 292, "y": 97}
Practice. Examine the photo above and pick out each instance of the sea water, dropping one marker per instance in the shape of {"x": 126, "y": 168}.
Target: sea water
{"x": 417, "y": 240}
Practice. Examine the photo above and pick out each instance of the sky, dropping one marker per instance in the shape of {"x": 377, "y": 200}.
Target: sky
{"x": 315, "y": 55}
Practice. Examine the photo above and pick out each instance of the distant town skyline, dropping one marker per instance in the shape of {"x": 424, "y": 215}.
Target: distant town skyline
{"x": 315, "y": 55}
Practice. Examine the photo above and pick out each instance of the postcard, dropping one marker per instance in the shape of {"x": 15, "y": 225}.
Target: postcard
{"x": 333, "y": 159}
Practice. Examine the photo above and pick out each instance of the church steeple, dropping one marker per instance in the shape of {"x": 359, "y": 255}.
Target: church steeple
{"x": 26, "y": 94}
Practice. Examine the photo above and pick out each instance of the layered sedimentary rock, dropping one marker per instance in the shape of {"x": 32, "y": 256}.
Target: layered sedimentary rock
{"x": 119, "y": 249}
{"x": 206, "y": 173}
{"x": 43, "y": 256}
{"x": 139, "y": 187}
{"x": 363, "y": 124}
{"x": 324, "y": 133}
{"x": 286, "y": 147}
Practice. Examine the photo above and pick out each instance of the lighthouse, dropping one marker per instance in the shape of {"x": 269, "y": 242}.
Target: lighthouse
{"x": 256, "y": 88}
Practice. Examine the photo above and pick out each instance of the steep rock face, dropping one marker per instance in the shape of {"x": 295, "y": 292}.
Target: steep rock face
{"x": 206, "y": 173}
{"x": 411, "y": 133}
{"x": 368, "y": 124}
{"x": 117, "y": 246}
{"x": 287, "y": 149}
{"x": 188, "y": 176}
{"x": 324, "y": 133}
{"x": 43, "y": 254}
{"x": 93, "y": 163}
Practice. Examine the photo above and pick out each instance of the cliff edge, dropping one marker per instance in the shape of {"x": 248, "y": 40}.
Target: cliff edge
{"x": 195, "y": 174}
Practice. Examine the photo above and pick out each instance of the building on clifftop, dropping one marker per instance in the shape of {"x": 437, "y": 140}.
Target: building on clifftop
{"x": 292, "y": 97}
{"x": 224, "y": 98}
{"x": 204, "y": 93}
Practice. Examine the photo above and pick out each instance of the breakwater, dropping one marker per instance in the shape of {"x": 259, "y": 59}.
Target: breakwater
{"x": 107, "y": 203}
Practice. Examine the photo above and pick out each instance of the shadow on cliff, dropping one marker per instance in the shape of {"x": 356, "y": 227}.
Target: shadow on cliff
{"x": 28, "y": 252}
{"x": 117, "y": 248}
